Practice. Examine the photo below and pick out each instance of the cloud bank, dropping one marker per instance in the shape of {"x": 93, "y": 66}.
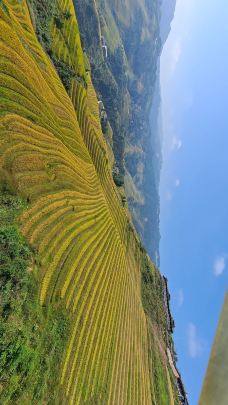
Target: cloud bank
{"x": 177, "y": 182}
{"x": 175, "y": 54}
{"x": 195, "y": 343}
{"x": 176, "y": 143}
{"x": 180, "y": 297}
{"x": 219, "y": 265}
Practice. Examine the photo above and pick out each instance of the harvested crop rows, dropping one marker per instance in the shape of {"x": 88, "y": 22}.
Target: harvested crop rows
{"x": 53, "y": 153}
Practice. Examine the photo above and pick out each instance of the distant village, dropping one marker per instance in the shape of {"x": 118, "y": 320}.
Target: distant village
{"x": 104, "y": 46}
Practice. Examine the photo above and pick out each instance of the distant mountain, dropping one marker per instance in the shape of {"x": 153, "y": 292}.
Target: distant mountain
{"x": 167, "y": 14}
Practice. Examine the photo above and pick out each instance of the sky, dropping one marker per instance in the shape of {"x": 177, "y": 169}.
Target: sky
{"x": 194, "y": 183}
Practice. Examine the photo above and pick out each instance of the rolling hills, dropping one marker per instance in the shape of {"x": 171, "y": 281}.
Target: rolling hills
{"x": 83, "y": 317}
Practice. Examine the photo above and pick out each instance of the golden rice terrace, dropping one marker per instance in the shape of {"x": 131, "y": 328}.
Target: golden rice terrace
{"x": 81, "y": 258}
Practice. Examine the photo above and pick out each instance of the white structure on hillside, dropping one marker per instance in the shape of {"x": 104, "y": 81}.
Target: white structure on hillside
{"x": 104, "y": 46}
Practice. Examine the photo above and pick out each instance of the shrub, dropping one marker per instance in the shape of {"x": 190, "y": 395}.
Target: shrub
{"x": 65, "y": 73}
{"x": 43, "y": 11}
{"x": 152, "y": 294}
{"x": 58, "y": 22}
{"x": 118, "y": 179}
{"x": 67, "y": 15}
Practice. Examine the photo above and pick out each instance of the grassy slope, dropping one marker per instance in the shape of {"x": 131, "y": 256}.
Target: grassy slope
{"x": 215, "y": 388}
{"x": 32, "y": 340}
{"x": 85, "y": 259}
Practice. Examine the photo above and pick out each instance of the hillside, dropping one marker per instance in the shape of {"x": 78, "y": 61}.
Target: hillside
{"x": 167, "y": 14}
{"x": 84, "y": 312}
{"x": 124, "y": 50}
{"x": 214, "y": 388}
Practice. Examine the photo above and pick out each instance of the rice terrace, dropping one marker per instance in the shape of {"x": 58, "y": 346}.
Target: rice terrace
{"x": 85, "y": 310}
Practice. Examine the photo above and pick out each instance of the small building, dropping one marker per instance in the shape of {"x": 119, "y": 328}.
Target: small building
{"x": 105, "y": 50}
{"x": 124, "y": 200}
{"x": 115, "y": 171}
{"x": 101, "y": 106}
{"x": 104, "y": 46}
{"x": 103, "y": 43}
{"x": 103, "y": 116}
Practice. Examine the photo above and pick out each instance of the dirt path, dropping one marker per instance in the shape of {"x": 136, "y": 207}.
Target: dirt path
{"x": 170, "y": 388}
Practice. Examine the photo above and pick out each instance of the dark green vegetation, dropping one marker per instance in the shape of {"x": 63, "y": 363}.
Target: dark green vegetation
{"x": 31, "y": 339}
{"x": 43, "y": 13}
{"x": 152, "y": 295}
{"x": 119, "y": 179}
{"x": 65, "y": 73}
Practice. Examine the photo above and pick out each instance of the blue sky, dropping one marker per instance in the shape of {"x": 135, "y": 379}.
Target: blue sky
{"x": 194, "y": 184}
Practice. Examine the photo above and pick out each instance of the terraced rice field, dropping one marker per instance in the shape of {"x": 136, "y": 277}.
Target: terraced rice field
{"x": 53, "y": 153}
{"x": 66, "y": 43}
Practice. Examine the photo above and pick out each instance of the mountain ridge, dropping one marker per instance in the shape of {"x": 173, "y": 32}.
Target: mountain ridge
{"x": 167, "y": 11}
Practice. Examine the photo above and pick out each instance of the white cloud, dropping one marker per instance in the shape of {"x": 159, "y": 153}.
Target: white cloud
{"x": 168, "y": 196}
{"x": 219, "y": 265}
{"x": 177, "y": 182}
{"x": 180, "y": 297}
{"x": 196, "y": 344}
{"x": 175, "y": 53}
{"x": 176, "y": 143}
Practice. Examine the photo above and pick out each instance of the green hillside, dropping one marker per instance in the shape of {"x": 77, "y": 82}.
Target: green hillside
{"x": 215, "y": 388}
{"x": 122, "y": 41}
{"x": 83, "y": 310}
